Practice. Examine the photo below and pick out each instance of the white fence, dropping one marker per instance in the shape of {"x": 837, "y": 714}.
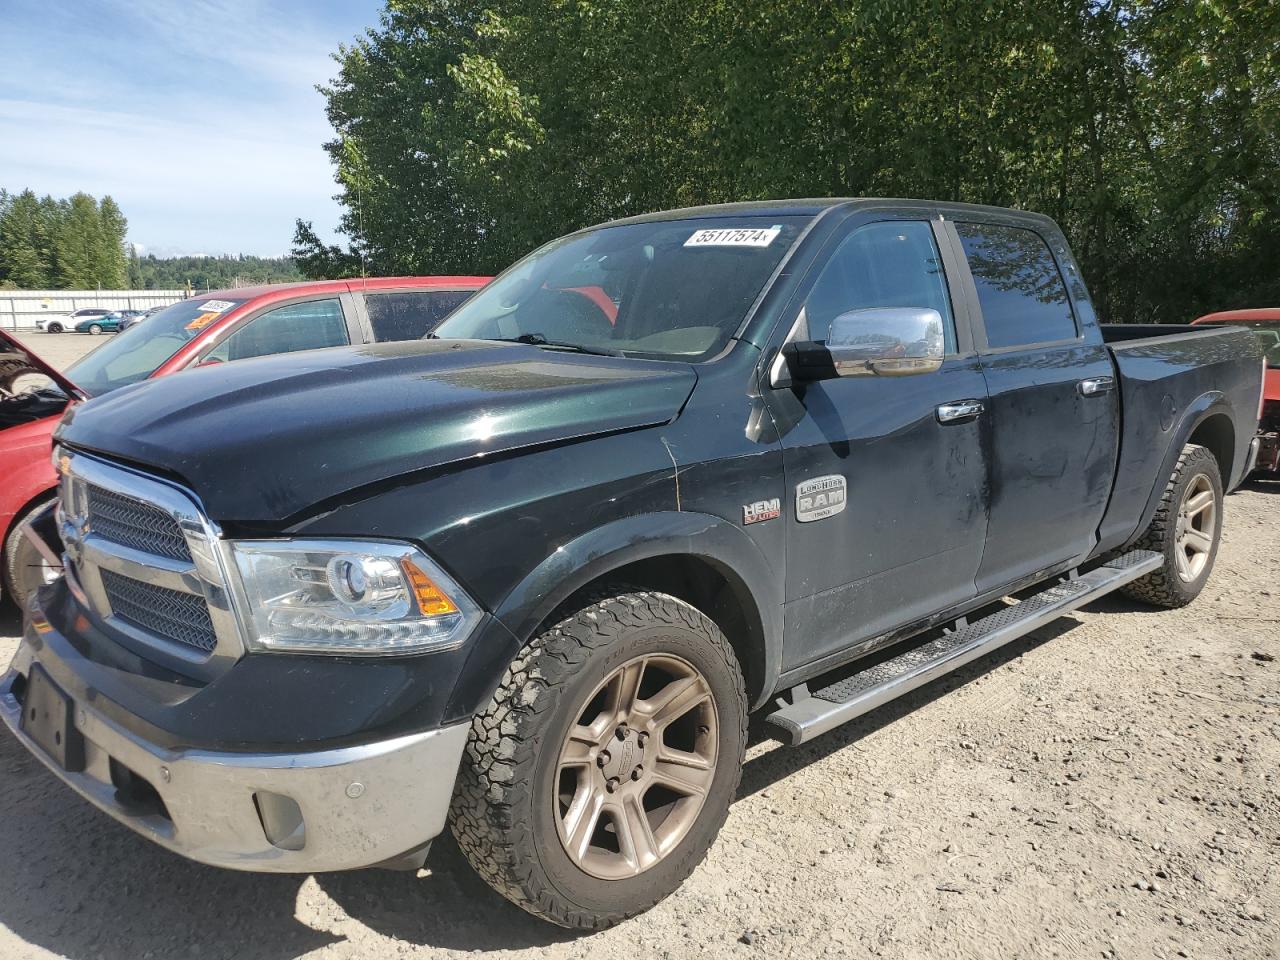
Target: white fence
{"x": 19, "y": 309}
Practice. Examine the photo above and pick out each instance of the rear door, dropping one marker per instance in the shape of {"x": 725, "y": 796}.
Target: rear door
{"x": 885, "y": 506}
{"x": 1052, "y": 424}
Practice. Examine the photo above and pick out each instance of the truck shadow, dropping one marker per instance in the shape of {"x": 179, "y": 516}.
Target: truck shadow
{"x": 80, "y": 885}
{"x": 762, "y": 772}
{"x": 1257, "y": 485}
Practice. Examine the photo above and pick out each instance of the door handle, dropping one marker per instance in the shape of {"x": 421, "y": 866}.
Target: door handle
{"x": 1095, "y": 386}
{"x": 959, "y": 410}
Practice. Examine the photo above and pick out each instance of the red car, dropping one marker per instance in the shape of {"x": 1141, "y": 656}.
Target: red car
{"x": 1265, "y": 322}
{"x": 217, "y": 327}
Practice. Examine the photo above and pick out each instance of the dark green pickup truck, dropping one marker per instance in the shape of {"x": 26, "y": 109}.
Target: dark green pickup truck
{"x": 529, "y": 577}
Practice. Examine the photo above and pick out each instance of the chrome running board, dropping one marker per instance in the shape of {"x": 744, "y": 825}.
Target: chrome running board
{"x": 815, "y": 712}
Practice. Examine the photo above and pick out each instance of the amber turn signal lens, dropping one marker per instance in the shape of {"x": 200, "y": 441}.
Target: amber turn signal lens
{"x": 432, "y": 601}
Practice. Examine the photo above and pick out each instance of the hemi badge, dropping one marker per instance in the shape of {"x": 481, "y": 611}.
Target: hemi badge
{"x": 820, "y": 498}
{"x": 761, "y": 510}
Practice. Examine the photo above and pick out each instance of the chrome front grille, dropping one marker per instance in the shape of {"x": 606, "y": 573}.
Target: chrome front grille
{"x": 141, "y": 554}
{"x": 180, "y": 617}
{"x": 135, "y": 524}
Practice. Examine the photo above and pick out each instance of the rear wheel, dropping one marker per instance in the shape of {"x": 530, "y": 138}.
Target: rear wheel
{"x": 25, "y": 568}
{"x": 601, "y": 772}
{"x": 95, "y": 329}
{"x": 55, "y": 328}
{"x": 1186, "y": 530}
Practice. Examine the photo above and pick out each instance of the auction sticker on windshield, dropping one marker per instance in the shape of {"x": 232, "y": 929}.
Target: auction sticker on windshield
{"x": 733, "y": 237}
{"x": 202, "y": 321}
{"x": 216, "y": 306}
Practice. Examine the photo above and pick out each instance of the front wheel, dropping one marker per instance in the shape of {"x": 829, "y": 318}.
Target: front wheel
{"x": 95, "y": 329}
{"x": 1186, "y": 530}
{"x": 25, "y": 568}
{"x": 54, "y": 328}
{"x": 602, "y": 770}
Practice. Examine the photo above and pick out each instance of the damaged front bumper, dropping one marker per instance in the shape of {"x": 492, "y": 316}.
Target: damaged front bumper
{"x": 377, "y": 803}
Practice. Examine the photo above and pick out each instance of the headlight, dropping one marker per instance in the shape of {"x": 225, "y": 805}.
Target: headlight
{"x": 349, "y": 598}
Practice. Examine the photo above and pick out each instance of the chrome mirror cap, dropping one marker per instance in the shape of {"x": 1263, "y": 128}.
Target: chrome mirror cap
{"x": 886, "y": 341}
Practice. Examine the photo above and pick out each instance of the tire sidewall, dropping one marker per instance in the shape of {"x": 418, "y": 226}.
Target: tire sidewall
{"x": 19, "y": 580}
{"x": 1201, "y": 463}
{"x": 623, "y": 896}
{"x": 94, "y": 330}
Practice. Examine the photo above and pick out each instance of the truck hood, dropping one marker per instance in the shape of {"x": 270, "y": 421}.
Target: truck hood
{"x": 268, "y": 440}
{"x": 16, "y": 359}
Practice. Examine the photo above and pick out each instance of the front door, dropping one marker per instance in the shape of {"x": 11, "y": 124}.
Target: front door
{"x": 1053, "y": 408}
{"x": 886, "y": 508}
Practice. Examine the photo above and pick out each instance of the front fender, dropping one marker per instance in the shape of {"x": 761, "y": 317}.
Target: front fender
{"x": 26, "y": 468}
{"x": 627, "y": 540}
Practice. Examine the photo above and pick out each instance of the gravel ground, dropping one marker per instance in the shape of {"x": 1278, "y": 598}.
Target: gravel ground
{"x": 1106, "y": 787}
{"x": 61, "y": 349}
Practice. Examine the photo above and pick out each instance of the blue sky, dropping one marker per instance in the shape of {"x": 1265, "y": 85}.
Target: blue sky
{"x": 199, "y": 116}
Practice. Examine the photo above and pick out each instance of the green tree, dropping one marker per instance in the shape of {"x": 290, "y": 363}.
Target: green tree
{"x": 111, "y": 260}
{"x": 318, "y": 260}
{"x": 77, "y": 242}
{"x": 467, "y": 134}
{"x": 136, "y": 281}
{"x": 209, "y": 273}
{"x": 25, "y": 242}
{"x": 72, "y": 243}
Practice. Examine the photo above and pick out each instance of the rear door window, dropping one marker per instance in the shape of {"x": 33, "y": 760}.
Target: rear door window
{"x": 1020, "y": 289}
{"x": 410, "y": 315}
{"x": 311, "y": 325}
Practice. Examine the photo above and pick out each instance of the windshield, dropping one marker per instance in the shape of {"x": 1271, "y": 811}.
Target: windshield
{"x": 136, "y": 353}
{"x": 669, "y": 290}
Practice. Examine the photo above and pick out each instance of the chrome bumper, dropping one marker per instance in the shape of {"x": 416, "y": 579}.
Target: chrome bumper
{"x": 1251, "y": 462}
{"x": 1264, "y": 453}
{"x": 340, "y": 809}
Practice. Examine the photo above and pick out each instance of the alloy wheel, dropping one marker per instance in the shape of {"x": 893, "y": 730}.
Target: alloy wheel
{"x": 635, "y": 767}
{"x": 1197, "y": 520}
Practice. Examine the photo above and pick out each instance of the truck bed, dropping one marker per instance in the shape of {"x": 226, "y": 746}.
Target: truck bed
{"x": 1173, "y": 378}
{"x": 1124, "y": 332}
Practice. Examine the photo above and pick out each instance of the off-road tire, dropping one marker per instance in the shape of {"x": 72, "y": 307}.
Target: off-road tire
{"x": 1164, "y": 587}
{"x": 503, "y": 806}
{"x": 18, "y": 555}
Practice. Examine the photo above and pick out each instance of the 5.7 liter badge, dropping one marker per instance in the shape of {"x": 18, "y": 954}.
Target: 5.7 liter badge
{"x": 820, "y": 498}
{"x": 761, "y": 510}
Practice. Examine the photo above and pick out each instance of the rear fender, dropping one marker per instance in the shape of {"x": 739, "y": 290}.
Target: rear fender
{"x": 1201, "y": 409}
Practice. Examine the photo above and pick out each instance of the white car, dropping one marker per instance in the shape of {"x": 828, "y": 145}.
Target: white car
{"x": 61, "y": 322}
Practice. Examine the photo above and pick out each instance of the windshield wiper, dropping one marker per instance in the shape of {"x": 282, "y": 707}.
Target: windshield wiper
{"x": 538, "y": 340}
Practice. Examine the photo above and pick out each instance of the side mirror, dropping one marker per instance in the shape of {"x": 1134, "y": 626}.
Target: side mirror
{"x": 872, "y": 341}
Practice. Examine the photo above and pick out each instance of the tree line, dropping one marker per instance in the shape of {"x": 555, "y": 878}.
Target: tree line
{"x": 78, "y": 243}
{"x": 467, "y": 133}
{"x": 149, "y": 272}
{"x": 72, "y": 243}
